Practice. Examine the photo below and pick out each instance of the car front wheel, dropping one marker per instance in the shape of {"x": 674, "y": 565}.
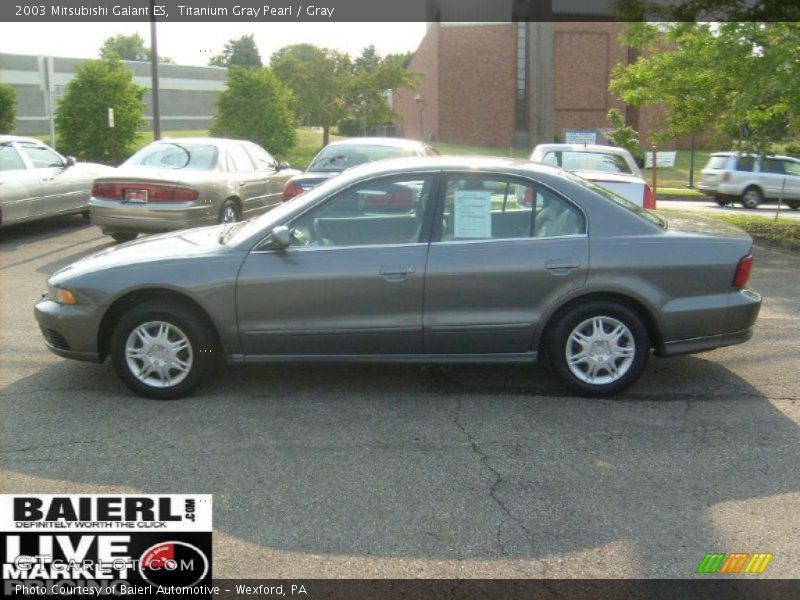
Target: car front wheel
{"x": 793, "y": 204}
{"x": 599, "y": 348}
{"x": 121, "y": 238}
{"x": 162, "y": 351}
{"x": 229, "y": 212}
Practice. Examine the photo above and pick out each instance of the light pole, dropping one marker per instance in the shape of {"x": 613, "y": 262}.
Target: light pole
{"x": 418, "y": 99}
{"x": 154, "y": 72}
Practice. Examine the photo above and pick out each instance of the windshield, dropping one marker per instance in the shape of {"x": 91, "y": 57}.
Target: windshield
{"x": 338, "y": 157}
{"x": 588, "y": 161}
{"x": 647, "y": 215}
{"x": 171, "y": 155}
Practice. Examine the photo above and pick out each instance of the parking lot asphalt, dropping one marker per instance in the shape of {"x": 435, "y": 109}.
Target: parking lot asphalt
{"x": 387, "y": 471}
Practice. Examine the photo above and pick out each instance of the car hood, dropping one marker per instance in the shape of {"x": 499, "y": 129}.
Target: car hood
{"x": 166, "y": 247}
{"x": 95, "y": 169}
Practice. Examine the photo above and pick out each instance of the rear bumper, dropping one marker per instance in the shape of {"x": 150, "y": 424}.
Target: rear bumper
{"x": 69, "y": 331}
{"x": 740, "y": 317}
{"x": 116, "y": 217}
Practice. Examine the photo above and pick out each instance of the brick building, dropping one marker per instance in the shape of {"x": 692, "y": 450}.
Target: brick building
{"x": 509, "y": 84}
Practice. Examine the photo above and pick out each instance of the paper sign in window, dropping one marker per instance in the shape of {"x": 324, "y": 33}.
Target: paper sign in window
{"x": 473, "y": 214}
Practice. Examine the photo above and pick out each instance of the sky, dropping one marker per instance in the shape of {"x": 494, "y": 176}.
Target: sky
{"x": 196, "y": 43}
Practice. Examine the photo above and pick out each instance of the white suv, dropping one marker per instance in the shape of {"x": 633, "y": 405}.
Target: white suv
{"x": 752, "y": 179}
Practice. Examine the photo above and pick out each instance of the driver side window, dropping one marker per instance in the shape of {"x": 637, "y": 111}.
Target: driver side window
{"x": 386, "y": 211}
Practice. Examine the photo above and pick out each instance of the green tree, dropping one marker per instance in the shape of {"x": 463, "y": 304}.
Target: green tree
{"x": 241, "y": 52}
{"x": 624, "y": 136}
{"x": 82, "y": 114}
{"x": 8, "y": 108}
{"x": 742, "y": 79}
{"x": 319, "y": 79}
{"x": 256, "y": 106}
{"x": 129, "y": 47}
{"x": 706, "y": 10}
{"x": 373, "y": 77}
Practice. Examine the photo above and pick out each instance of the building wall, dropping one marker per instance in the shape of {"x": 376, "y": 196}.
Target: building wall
{"x": 477, "y": 84}
{"x": 584, "y": 54}
{"x": 418, "y": 120}
{"x": 187, "y": 94}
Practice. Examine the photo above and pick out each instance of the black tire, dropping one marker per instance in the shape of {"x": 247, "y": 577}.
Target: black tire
{"x": 183, "y": 324}
{"x": 121, "y": 238}
{"x": 752, "y": 197}
{"x": 634, "y": 341}
{"x": 721, "y": 201}
{"x": 793, "y": 204}
{"x": 229, "y": 212}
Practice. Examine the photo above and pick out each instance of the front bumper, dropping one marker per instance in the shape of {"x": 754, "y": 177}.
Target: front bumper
{"x": 117, "y": 217}
{"x": 70, "y": 331}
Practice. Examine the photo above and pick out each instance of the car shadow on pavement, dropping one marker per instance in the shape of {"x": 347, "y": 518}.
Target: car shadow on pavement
{"x": 458, "y": 463}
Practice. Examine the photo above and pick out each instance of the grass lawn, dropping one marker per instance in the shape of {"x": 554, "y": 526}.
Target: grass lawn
{"x": 783, "y": 234}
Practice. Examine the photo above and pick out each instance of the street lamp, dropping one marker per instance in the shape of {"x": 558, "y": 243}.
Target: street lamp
{"x": 418, "y": 99}
{"x": 154, "y": 73}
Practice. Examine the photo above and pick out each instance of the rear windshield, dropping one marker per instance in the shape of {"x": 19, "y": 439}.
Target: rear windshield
{"x": 620, "y": 201}
{"x": 170, "y": 155}
{"x": 717, "y": 162}
{"x": 333, "y": 159}
{"x": 587, "y": 161}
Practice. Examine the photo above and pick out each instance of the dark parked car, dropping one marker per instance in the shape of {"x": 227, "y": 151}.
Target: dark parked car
{"x": 187, "y": 182}
{"x": 36, "y": 182}
{"x": 460, "y": 274}
{"x": 338, "y": 156}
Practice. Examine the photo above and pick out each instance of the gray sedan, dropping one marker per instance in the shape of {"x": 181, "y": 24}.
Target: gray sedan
{"x": 36, "y": 182}
{"x": 187, "y": 182}
{"x": 424, "y": 260}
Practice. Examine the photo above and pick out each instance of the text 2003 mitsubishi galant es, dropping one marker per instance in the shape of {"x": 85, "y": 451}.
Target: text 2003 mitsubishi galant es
{"x": 428, "y": 259}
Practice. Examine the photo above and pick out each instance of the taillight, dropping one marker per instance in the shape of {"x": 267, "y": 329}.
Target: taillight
{"x": 743, "y": 271}
{"x": 144, "y": 192}
{"x": 649, "y": 198}
{"x": 291, "y": 189}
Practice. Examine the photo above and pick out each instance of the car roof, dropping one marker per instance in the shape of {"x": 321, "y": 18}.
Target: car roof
{"x": 780, "y": 156}
{"x": 582, "y": 148}
{"x": 380, "y": 141}
{"x": 453, "y": 163}
{"x": 203, "y": 140}
{"x": 4, "y": 139}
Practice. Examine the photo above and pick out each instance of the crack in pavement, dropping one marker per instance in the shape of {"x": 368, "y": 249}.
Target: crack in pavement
{"x": 498, "y": 479}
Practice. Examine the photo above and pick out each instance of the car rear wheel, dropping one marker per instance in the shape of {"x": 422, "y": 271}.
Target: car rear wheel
{"x": 752, "y": 197}
{"x": 598, "y": 348}
{"x": 229, "y": 213}
{"x": 162, "y": 351}
{"x": 794, "y": 204}
{"x": 121, "y": 238}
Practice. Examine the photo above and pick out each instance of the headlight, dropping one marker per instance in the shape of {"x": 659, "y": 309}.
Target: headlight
{"x": 61, "y": 295}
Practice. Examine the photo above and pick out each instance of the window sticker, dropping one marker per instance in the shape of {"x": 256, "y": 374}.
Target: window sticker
{"x": 473, "y": 214}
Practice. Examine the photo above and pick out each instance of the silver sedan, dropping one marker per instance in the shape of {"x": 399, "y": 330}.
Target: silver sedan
{"x": 423, "y": 260}
{"x": 187, "y": 182}
{"x": 36, "y": 182}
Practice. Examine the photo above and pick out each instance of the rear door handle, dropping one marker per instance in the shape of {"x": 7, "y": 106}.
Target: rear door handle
{"x": 562, "y": 266}
{"x": 396, "y": 273}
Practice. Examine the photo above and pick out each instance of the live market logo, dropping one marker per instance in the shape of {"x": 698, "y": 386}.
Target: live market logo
{"x": 106, "y": 543}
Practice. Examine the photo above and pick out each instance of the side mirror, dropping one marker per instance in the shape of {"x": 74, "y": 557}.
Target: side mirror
{"x": 70, "y": 162}
{"x": 283, "y": 165}
{"x": 280, "y": 237}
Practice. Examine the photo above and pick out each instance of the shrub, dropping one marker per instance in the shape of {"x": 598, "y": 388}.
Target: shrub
{"x": 793, "y": 149}
{"x": 349, "y": 127}
{"x": 256, "y": 106}
{"x": 8, "y": 108}
{"x": 624, "y": 136}
{"x": 82, "y": 114}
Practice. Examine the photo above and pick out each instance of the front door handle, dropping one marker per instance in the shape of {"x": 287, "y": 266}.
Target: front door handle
{"x": 562, "y": 266}
{"x": 396, "y": 273}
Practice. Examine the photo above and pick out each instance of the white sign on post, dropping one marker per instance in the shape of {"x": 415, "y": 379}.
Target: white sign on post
{"x": 111, "y": 117}
{"x": 663, "y": 159}
{"x": 473, "y": 214}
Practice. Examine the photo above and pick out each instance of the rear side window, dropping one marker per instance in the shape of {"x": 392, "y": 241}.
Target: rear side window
{"x": 9, "y": 159}
{"x": 717, "y": 162}
{"x": 773, "y": 165}
{"x": 745, "y": 163}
